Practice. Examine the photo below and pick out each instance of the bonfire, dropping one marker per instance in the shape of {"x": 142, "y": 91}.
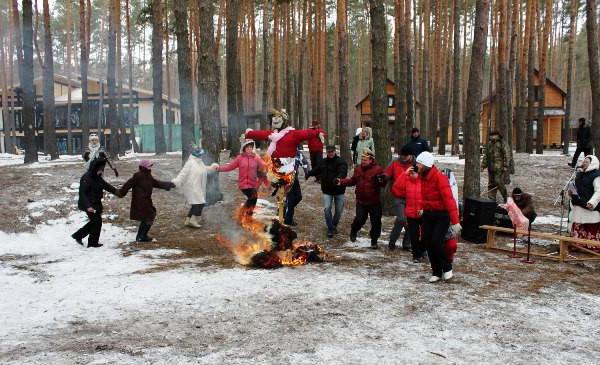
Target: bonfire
{"x": 270, "y": 243}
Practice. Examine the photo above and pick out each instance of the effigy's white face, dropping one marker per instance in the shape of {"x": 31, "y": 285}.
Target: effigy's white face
{"x": 277, "y": 122}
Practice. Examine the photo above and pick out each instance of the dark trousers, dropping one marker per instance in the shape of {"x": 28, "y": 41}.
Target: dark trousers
{"x": 143, "y": 230}
{"x": 435, "y": 228}
{"x": 91, "y": 228}
{"x": 315, "y": 159}
{"x": 414, "y": 232}
{"x": 373, "y": 212}
{"x": 399, "y": 224}
{"x": 195, "y": 209}
{"x": 293, "y": 197}
{"x": 578, "y": 151}
{"x": 251, "y": 199}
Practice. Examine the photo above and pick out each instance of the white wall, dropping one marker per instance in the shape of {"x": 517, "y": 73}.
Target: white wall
{"x": 146, "y": 115}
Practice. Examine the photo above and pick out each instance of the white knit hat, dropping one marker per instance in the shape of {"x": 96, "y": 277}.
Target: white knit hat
{"x": 426, "y": 159}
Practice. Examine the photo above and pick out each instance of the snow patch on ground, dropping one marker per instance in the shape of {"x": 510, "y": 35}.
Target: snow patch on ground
{"x": 450, "y": 160}
{"x": 550, "y": 220}
{"x": 45, "y": 204}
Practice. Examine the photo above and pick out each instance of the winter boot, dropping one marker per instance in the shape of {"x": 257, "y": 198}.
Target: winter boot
{"x": 142, "y": 235}
{"x": 352, "y": 236}
{"x": 196, "y": 221}
{"x": 77, "y": 239}
{"x": 95, "y": 245}
{"x": 392, "y": 245}
{"x": 374, "y": 244}
{"x": 186, "y": 222}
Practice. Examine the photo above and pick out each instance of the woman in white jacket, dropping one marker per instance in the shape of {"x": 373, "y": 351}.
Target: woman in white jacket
{"x": 191, "y": 182}
{"x": 585, "y": 211}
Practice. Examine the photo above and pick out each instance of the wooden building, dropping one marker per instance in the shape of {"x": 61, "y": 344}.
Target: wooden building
{"x": 140, "y": 116}
{"x": 553, "y": 118}
{"x": 364, "y": 105}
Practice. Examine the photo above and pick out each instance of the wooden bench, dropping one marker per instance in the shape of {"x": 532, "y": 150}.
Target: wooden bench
{"x": 565, "y": 243}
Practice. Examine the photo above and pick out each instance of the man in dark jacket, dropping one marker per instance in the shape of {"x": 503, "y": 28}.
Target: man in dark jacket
{"x": 584, "y": 142}
{"x": 417, "y": 144}
{"x": 329, "y": 170}
{"x": 91, "y": 191}
{"x": 368, "y": 178}
{"x": 142, "y": 208}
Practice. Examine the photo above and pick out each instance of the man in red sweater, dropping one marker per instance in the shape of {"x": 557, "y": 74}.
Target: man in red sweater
{"x": 315, "y": 146}
{"x": 368, "y": 178}
{"x": 440, "y": 213}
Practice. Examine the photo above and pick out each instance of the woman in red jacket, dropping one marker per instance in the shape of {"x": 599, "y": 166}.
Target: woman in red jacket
{"x": 439, "y": 214}
{"x": 250, "y": 171}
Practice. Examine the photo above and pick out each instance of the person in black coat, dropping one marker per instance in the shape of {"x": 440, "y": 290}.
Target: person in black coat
{"x": 584, "y": 142}
{"x": 330, "y": 169}
{"x": 417, "y": 144}
{"x": 91, "y": 191}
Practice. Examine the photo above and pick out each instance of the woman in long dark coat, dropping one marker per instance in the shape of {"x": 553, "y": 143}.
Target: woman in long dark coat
{"x": 142, "y": 208}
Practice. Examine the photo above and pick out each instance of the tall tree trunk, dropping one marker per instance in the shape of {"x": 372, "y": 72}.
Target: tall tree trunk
{"x": 472, "y": 185}
{"x": 157, "y": 77}
{"x": 456, "y": 124}
{"x": 111, "y": 119}
{"x": 26, "y": 71}
{"x": 185, "y": 78}
{"x": 342, "y": 25}
{"x": 425, "y": 77}
{"x": 378, "y": 69}
{"x": 530, "y": 77}
{"x": 265, "y": 52}
{"x": 410, "y": 96}
{"x": 208, "y": 82}
{"x": 502, "y": 113}
{"x": 512, "y": 72}
{"x": 592, "y": 43}
{"x": 543, "y": 49}
{"x": 84, "y": 65}
{"x": 50, "y": 147}
{"x": 123, "y": 143}
{"x": 570, "y": 58}
{"x": 70, "y": 86}
{"x": 133, "y": 117}
{"x": 400, "y": 71}
{"x": 521, "y": 83}
{"x": 169, "y": 120}
{"x": 9, "y": 147}
{"x": 234, "y": 78}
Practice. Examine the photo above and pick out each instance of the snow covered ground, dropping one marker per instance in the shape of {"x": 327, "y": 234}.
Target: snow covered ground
{"x": 63, "y": 303}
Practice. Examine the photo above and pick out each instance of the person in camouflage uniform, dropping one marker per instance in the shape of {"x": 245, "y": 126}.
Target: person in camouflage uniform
{"x": 495, "y": 159}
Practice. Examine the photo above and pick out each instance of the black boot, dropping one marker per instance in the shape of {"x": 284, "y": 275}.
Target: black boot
{"x": 374, "y": 244}
{"x": 142, "y": 235}
{"x": 77, "y": 239}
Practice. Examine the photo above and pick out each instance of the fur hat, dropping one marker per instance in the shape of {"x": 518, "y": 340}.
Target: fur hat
{"x": 247, "y": 142}
{"x": 426, "y": 159}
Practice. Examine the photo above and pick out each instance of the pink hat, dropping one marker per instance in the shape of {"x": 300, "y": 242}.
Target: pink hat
{"x": 147, "y": 164}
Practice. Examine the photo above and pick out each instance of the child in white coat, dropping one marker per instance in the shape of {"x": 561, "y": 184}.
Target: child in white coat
{"x": 191, "y": 182}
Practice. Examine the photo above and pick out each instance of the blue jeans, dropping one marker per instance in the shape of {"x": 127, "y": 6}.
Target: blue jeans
{"x": 328, "y": 202}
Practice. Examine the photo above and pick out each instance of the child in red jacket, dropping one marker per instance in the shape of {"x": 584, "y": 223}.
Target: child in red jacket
{"x": 408, "y": 185}
{"x": 368, "y": 178}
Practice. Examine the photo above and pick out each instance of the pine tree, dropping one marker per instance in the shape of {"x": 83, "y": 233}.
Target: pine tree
{"x": 26, "y": 71}
{"x": 49, "y": 110}
{"x": 471, "y": 137}
{"x": 185, "y": 77}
